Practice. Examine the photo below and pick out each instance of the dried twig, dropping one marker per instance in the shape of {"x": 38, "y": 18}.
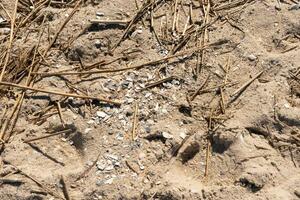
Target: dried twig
{"x": 174, "y": 16}
{"x": 62, "y": 27}
{"x": 6, "y": 12}
{"x": 150, "y": 85}
{"x": 144, "y": 9}
{"x": 47, "y": 136}
{"x": 32, "y": 13}
{"x": 88, "y": 169}
{"x": 222, "y": 102}
{"x": 10, "y": 40}
{"x": 59, "y": 93}
{"x": 134, "y": 122}
{"x": 110, "y": 22}
{"x": 199, "y": 89}
{"x": 217, "y": 87}
{"x": 186, "y": 52}
{"x": 44, "y": 187}
{"x": 64, "y": 188}
{"x": 239, "y": 91}
{"x": 60, "y": 113}
{"x": 207, "y": 158}
{"x": 289, "y": 49}
{"x": 131, "y": 167}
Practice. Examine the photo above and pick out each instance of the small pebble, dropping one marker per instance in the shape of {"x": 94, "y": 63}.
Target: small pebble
{"x": 91, "y": 122}
{"x": 167, "y": 135}
{"x": 87, "y": 130}
{"x": 101, "y": 114}
{"x": 99, "y": 14}
{"x": 98, "y": 44}
{"x": 252, "y": 57}
{"x": 119, "y": 136}
{"x": 141, "y": 165}
{"x": 142, "y": 156}
{"x": 111, "y": 157}
{"x": 109, "y": 181}
{"x": 101, "y": 165}
{"x": 182, "y": 135}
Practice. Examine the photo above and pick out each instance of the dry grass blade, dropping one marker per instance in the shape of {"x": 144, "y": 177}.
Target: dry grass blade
{"x": 243, "y": 87}
{"x": 59, "y": 93}
{"x": 64, "y": 188}
{"x": 47, "y": 136}
{"x": 110, "y": 22}
{"x": 231, "y": 4}
{"x": 199, "y": 89}
{"x": 18, "y": 104}
{"x": 88, "y": 169}
{"x": 8, "y": 119}
{"x": 134, "y": 123}
{"x": 6, "y": 12}
{"x": 142, "y": 11}
{"x": 62, "y": 26}
{"x": 150, "y": 85}
{"x": 60, "y": 114}
{"x": 39, "y": 183}
{"x": 11, "y": 38}
{"x": 183, "y": 53}
{"x": 207, "y": 158}
{"x": 31, "y": 14}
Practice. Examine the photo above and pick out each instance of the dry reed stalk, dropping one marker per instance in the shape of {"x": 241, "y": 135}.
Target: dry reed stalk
{"x": 47, "y": 136}
{"x": 134, "y": 122}
{"x": 59, "y": 93}
{"x": 11, "y": 38}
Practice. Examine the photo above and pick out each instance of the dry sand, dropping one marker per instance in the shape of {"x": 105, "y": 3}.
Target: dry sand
{"x": 237, "y": 138}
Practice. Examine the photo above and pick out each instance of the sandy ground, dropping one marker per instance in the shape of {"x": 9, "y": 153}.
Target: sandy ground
{"x": 236, "y": 138}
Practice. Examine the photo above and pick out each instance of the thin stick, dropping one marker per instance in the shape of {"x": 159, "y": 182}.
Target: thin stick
{"x": 199, "y": 89}
{"x": 290, "y": 49}
{"x": 62, "y": 27}
{"x": 110, "y": 22}
{"x": 32, "y": 13}
{"x": 88, "y": 169}
{"x": 218, "y": 86}
{"x": 243, "y": 87}
{"x": 10, "y": 40}
{"x": 1, "y": 5}
{"x": 45, "y": 188}
{"x": 137, "y": 5}
{"x": 134, "y": 123}
{"x": 135, "y": 19}
{"x": 192, "y": 50}
{"x": 59, "y": 93}
{"x": 207, "y": 158}
{"x": 19, "y": 101}
{"x": 174, "y": 16}
{"x": 153, "y": 28}
{"x": 49, "y": 191}
{"x": 47, "y": 136}
{"x": 186, "y": 25}
{"x": 150, "y": 85}
{"x": 14, "y": 116}
{"x": 18, "y": 104}
{"x": 60, "y": 113}
{"x": 131, "y": 167}
{"x": 39, "y": 118}
{"x": 222, "y": 102}
{"x": 64, "y": 188}
{"x": 3, "y": 115}
{"x": 7, "y": 120}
